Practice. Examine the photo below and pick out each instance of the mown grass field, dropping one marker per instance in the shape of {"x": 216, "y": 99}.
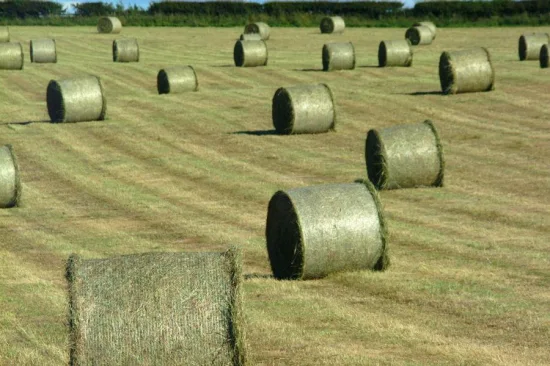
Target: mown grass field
{"x": 470, "y": 277}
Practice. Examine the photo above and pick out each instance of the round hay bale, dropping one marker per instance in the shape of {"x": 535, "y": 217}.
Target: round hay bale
{"x": 4, "y": 34}
{"x": 405, "y": 156}
{"x": 395, "y": 53}
{"x": 338, "y": 56}
{"x": 314, "y": 231}
{"x": 544, "y": 56}
{"x": 260, "y": 28}
{"x": 250, "y": 37}
{"x": 250, "y": 53}
{"x": 177, "y": 79}
{"x": 303, "y": 109}
{"x": 77, "y": 99}
{"x": 530, "y": 44}
{"x": 466, "y": 71}
{"x": 332, "y": 25}
{"x": 156, "y": 309}
{"x": 420, "y": 35}
{"x": 43, "y": 51}
{"x": 428, "y": 24}
{"x": 11, "y": 56}
{"x": 109, "y": 25}
{"x": 125, "y": 50}
{"x": 10, "y": 185}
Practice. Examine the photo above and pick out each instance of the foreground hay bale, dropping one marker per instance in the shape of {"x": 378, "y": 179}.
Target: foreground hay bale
{"x": 332, "y": 25}
{"x": 11, "y": 56}
{"x": 405, "y": 156}
{"x": 530, "y": 44}
{"x": 303, "y": 109}
{"x": 428, "y": 24}
{"x": 250, "y": 53}
{"x": 250, "y": 37}
{"x": 258, "y": 28}
{"x": 395, "y": 53}
{"x": 544, "y": 56}
{"x": 314, "y": 231}
{"x": 109, "y": 25}
{"x": 125, "y": 50}
{"x": 156, "y": 309}
{"x": 420, "y": 35}
{"x": 177, "y": 79}
{"x": 76, "y": 99}
{"x": 43, "y": 51}
{"x": 4, "y": 34}
{"x": 466, "y": 71}
{"x": 10, "y": 185}
{"x": 338, "y": 56}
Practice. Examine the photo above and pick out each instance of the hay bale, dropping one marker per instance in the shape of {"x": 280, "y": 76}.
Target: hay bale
{"x": 11, "y": 56}
{"x": 156, "y": 309}
{"x": 405, "y": 156}
{"x": 250, "y": 53}
{"x": 303, "y": 109}
{"x": 259, "y": 28}
{"x": 466, "y": 71}
{"x": 109, "y": 25}
{"x": 395, "y": 53}
{"x": 4, "y": 34}
{"x": 530, "y": 44}
{"x": 332, "y": 25}
{"x": 10, "y": 185}
{"x": 428, "y": 24}
{"x": 314, "y": 231}
{"x": 177, "y": 79}
{"x": 250, "y": 37}
{"x": 420, "y": 35}
{"x": 544, "y": 56}
{"x": 338, "y": 56}
{"x": 125, "y": 50}
{"x": 76, "y": 99}
{"x": 43, "y": 51}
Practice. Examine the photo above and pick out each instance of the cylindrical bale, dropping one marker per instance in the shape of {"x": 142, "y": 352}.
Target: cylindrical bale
{"x": 156, "y": 309}
{"x": 260, "y": 28}
{"x": 250, "y": 53}
{"x": 109, "y": 25}
{"x": 11, "y": 56}
{"x": 466, "y": 71}
{"x": 338, "y": 56}
{"x": 530, "y": 44}
{"x": 405, "y": 156}
{"x": 177, "y": 79}
{"x": 544, "y": 56}
{"x": 125, "y": 50}
{"x": 420, "y": 35}
{"x": 10, "y": 185}
{"x": 43, "y": 51}
{"x": 303, "y": 109}
{"x": 428, "y": 24}
{"x": 4, "y": 34}
{"x": 77, "y": 99}
{"x": 314, "y": 231}
{"x": 334, "y": 24}
{"x": 395, "y": 53}
{"x": 250, "y": 37}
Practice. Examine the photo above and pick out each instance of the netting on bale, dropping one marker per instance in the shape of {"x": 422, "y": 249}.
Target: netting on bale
{"x": 420, "y": 35}
{"x": 259, "y": 28}
{"x": 466, "y": 71}
{"x": 43, "y": 51}
{"x": 156, "y": 309}
{"x": 529, "y": 45}
{"x": 395, "y": 53}
{"x": 11, "y": 56}
{"x": 125, "y": 50}
{"x": 4, "y": 34}
{"x": 10, "y": 184}
{"x": 109, "y": 25}
{"x": 428, "y": 24}
{"x": 177, "y": 79}
{"x": 250, "y": 37}
{"x": 334, "y": 24}
{"x": 544, "y": 56}
{"x": 338, "y": 56}
{"x": 250, "y": 53}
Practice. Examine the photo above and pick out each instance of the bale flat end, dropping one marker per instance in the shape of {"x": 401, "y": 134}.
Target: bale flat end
{"x": 282, "y": 112}
{"x": 376, "y": 160}
{"x": 54, "y": 98}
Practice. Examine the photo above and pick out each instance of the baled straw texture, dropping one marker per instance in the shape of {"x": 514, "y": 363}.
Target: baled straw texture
{"x": 4, "y": 34}
{"x": 420, "y": 35}
{"x": 156, "y": 309}
{"x": 125, "y": 50}
{"x": 250, "y": 37}
{"x": 109, "y": 25}
{"x": 11, "y": 56}
{"x": 314, "y": 231}
{"x": 303, "y": 109}
{"x": 529, "y": 45}
{"x": 395, "y": 53}
{"x": 405, "y": 156}
{"x": 466, "y": 71}
{"x": 76, "y": 99}
{"x": 338, "y": 56}
{"x": 259, "y": 28}
{"x": 177, "y": 79}
{"x": 250, "y": 53}
{"x": 10, "y": 185}
{"x": 428, "y": 24}
{"x": 43, "y": 51}
{"x": 332, "y": 25}
{"x": 544, "y": 56}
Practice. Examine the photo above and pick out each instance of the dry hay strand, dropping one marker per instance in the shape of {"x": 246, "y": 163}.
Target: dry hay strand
{"x": 314, "y": 231}
{"x": 11, "y": 56}
{"x": 250, "y": 53}
{"x": 76, "y": 99}
{"x": 338, "y": 56}
{"x": 303, "y": 109}
{"x": 4, "y": 34}
{"x": 177, "y": 79}
{"x": 428, "y": 24}
{"x": 250, "y": 37}
{"x": 530, "y": 44}
{"x": 10, "y": 184}
{"x": 395, "y": 53}
{"x": 466, "y": 71}
{"x": 544, "y": 56}
{"x": 405, "y": 156}
{"x": 43, "y": 51}
{"x": 420, "y": 35}
{"x": 259, "y": 28}
{"x": 109, "y": 25}
{"x": 156, "y": 309}
{"x": 125, "y": 50}
{"x": 334, "y": 24}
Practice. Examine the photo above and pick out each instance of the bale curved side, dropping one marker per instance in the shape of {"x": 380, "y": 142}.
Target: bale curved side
{"x": 250, "y": 37}
{"x": 43, "y": 51}
{"x": 544, "y": 56}
{"x": 4, "y": 34}
{"x": 11, "y": 56}
{"x": 177, "y": 79}
{"x": 334, "y": 24}
{"x": 260, "y": 28}
{"x": 428, "y": 24}
{"x": 529, "y": 45}
{"x": 338, "y": 56}
{"x": 125, "y": 50}
{"x": 466, "y": 71}
{"x": 109, "y": 25}
{"x": 10, "y": 183}
{"x": 250, "y": 53}
{"x": 395, "y": 53}
{"x": 420, "y": 35}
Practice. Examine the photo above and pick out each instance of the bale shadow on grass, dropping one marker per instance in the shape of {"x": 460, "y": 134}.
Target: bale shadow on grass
{"x": 369, "y": 67}
{"x": 426, "y": 93}
{"x": 251, "y": 276}
{"x": 308, "y": 70}
{"x": 256, "y": 132}
{"x": 24, "y": 122}
{"x": 226, "y": 65}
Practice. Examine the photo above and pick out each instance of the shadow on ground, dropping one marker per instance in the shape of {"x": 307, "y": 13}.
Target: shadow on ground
{"x": 256, "y": 132}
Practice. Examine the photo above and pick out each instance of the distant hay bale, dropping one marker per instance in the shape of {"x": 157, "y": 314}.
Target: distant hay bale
{"x": 109, "y": 25}
{"x": 405, "y": 156}
{"x": 11, "y": 56}
{"x": 466, "y": 71}
{"x": 303, "y": 109}
{"x": 43, "y": 51}
{"x": 156, "y": 309}
{"x": 334, "y": 24}
{"x": 76, "y": 99}
{"x": 428, "y": 24}
{"x": 250, "y": 37}
{"x": 4, "y": 34}
{"x": 395, "y": 53}
{"x": 544, "y": 56}
{"x": 125, "y": 50}
{"x": 530, "y": 44}
{"x": 314, "y": 231}
{"x": 250, "y": 53}
{"x": 10, "y": 185}
{"x": 338, "y": 56}
{"x": 259, "y": 28}
{"x": 177, "y": 79}
{"x": 420, "y": 35}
